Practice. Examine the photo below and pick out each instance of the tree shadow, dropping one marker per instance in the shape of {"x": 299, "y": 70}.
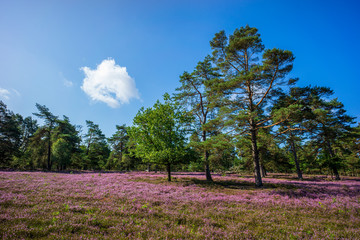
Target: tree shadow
{"x": 234, "y": 184}
{"x": 292, "y": 189}
{"x": 321, "y": 190}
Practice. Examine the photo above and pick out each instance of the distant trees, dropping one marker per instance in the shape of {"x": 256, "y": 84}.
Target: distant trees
{"x": 97, "y": 151}
{"x": 9, "y": 135}
{"x": 118, "y": 143}
{"x": 66, "y": 143}
{"x": 28, "y": 128}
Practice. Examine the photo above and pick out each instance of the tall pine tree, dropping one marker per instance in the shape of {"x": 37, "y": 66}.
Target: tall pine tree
{"x": 196, "y": 96}
{"x": 251, "y": 78}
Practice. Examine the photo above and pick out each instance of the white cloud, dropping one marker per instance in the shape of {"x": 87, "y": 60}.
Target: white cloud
{"x": 109, "y": 83}
{"x": 68, "y": 83}
{"x": 4, "y": 94}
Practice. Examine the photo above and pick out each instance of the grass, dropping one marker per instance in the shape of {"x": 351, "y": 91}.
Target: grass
{"x": 146, "y": 206}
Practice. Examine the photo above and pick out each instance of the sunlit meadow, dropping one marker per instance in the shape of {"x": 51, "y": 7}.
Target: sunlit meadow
{"x": 145, "y": 206}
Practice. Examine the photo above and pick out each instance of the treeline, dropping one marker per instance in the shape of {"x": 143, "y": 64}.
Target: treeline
{"x": 238, "y": 110}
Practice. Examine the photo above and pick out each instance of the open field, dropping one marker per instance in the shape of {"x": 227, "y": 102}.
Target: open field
{"x": 145, "y": 206}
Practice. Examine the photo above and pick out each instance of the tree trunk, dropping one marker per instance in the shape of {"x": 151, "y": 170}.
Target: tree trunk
{"x": 206, "y": 160}
{"x": 255, "y": 155}
{"x": 333, "y": 165}
{"x": 298, "y": 170}
{"x": 148, "y": 167}
{"x": 207, "y": 170}
{"x": 336, "y": 172}
{"x": 49, "y": 164}
{"x": 262, "y": 170}
{"x": 169, "y": 172}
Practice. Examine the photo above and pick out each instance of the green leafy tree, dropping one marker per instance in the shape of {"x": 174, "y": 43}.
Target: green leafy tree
{"x": 196, "y": 97}
{"x": 252, "y": 77}
{"x": 158, "y": 134}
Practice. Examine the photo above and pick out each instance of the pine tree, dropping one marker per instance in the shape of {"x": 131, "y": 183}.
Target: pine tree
{"x": 47, "y": 129}
{"x": 97, "y": 151}
{"x": 251, "y": 78}
{"x": 118, "y": 142}
{"x": 331, "y": 125}
{"x": 195, "y": 96}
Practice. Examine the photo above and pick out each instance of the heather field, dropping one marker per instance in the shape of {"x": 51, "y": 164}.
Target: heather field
{"x": 144, "y": 206}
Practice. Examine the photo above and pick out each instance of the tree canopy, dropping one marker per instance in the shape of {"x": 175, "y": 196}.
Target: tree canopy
{"x": 159, "y": 134}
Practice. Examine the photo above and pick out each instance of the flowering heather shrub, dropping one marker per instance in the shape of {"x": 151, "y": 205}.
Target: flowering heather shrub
{"x": 146, "y": 206}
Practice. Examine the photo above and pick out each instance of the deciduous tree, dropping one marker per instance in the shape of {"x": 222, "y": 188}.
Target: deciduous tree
{"x": 158, "y": 134}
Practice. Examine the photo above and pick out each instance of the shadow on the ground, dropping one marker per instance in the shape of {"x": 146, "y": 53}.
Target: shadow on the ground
{"x": 321, "y": 190}
{"x": 243, "y": 185}
{"x": 219, "y": 184}
{"x": 292, "y": 189}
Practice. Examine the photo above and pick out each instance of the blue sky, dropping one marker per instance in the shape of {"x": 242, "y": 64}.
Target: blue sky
{"x": 66, "y": 54}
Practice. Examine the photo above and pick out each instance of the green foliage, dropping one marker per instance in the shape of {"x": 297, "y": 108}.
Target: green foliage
{"x": 66, "y": 143}
{"x": 61, "y": 151}
{"x": 44, "y": 133}
{"x": 97, "y": 150}
{"x": 330, "y": 127}
{"x": 237, "y": 110}
{"x": 252, "y": 77}
{"x": 10, "y": 135}
{"x": 197, "y": 98}
{"x": 158, "y": 134}
{"x": 118, "y": 143}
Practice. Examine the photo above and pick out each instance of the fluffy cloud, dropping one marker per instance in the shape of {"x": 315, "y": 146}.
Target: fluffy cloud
{"x": 109, "y": 83}
{"x": 4, "y": 93}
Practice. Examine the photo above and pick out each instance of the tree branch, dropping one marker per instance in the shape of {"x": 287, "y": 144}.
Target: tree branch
{"x": 274, "y": 124}
{"x": 290, "y": 129}
{"x": 264, "y": 121}
{"x": 271, "y": 83}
